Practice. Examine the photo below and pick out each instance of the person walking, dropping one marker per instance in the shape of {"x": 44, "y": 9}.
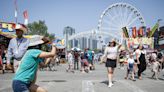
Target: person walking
{"x": 90, "y": 58}
{"x": 84, "y": 64}
{"x": 1, "y": 60}
{"x": 141, "y": 60}
{"x": 70, "y": 62}
{"x": 76, "y": 60}
{"x": 111, "y": 53}
{"x": 156, "y": 67}
{"x": 135, "y": 61}
{"x": 25, "y": 77}
{"x": 17, "y": 47}
{"x": 4, "y": 57}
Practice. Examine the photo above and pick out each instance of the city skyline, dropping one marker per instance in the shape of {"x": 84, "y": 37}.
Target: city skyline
{"x": 82, "y": 15}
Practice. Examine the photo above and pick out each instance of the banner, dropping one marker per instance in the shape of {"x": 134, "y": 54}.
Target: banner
{"x": 125, "y": 31}
{"x": 134, "y": 32}
{"x": 7, "y": 27}
{"x": 59, "y": 43}
{"x": 134, "y": 42}
{"x": 140, "y": 32}
{"x": 154, "y": 29}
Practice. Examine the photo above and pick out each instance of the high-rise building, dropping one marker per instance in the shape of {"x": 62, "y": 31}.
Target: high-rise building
{"x": 67, "y": 32}
{"x": 85, "y": 42}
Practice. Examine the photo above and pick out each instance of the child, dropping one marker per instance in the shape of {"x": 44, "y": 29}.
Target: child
{"x": 130, "y": 67}
{"x": 155, "y": 69}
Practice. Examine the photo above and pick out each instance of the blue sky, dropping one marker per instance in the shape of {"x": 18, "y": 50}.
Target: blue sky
{"x": 83, "y": 15}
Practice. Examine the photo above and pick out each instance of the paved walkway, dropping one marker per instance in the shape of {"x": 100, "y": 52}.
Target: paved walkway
{"x": 96, "y": 81}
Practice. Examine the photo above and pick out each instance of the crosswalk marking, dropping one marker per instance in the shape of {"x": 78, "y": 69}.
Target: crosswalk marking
{"x": 87, "y": 86}
{"x": 131, "y": 86}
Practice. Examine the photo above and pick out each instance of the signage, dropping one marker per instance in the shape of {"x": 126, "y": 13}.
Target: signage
{"x": 7, "y": 27}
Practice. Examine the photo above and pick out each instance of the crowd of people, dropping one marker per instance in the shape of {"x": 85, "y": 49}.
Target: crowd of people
{"x": 136, "y": 62}
{"x": 24, "y": 57}
{"x": 85, "y": 59}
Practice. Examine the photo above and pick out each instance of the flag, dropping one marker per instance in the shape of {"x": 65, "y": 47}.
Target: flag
{"x": 140, "y": 32}
{"x": 25, "y": 13}
{"x": 130, "y": 32}
{"x": 125, "y": 31}
{"x": 16, "y": 10}
{"x": 134, "y": 32}
{"x": 16, "y": 13}
{"x": 154, "y": 29}
{"x": 144, "y": 31}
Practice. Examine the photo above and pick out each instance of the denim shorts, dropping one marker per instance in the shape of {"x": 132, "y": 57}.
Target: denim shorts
{"x": 131, "y": 67}
{"x": 19, "y": 86}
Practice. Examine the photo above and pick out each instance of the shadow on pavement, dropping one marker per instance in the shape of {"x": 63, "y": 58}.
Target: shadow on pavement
{"x": 106, "y": 82}
{"x": 155, "y": 79}
{"x": 53, "y": 81}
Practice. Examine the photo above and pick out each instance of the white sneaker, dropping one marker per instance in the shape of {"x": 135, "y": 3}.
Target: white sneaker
{"x": 82, "y": 72}
{"x": 110, "y": 85}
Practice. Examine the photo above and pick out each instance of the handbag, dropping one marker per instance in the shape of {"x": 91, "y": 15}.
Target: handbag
{"x": 103, "y": 59}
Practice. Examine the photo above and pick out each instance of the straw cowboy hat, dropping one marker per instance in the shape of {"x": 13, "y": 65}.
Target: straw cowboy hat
{"x": 21, "y": 27}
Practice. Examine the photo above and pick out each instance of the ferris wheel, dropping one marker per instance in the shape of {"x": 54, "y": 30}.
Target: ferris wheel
{"x": 117, "y": 16}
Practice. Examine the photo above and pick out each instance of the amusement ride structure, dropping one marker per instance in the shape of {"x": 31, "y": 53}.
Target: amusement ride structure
{"x": 111, "y": 22}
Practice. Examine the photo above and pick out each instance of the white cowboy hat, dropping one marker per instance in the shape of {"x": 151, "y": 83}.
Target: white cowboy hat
{"x": 21, "y": 27}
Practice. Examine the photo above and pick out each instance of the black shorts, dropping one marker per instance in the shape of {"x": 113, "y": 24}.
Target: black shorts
{"x": 110, "y": 63}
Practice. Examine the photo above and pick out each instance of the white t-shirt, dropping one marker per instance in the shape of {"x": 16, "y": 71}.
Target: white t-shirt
{"x": 134, "y": 55}
{"x": 138, "y": 51}
{"x": 156, "y": 66}
{"x": 111, "y": 52}
{"x": 130, "y": 60}
{"x": 154, "y": 56}
{"x": 70, "y": 57}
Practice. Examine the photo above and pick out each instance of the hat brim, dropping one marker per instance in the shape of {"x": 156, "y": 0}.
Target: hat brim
{"x": 36, "y": 40}
{"x": 36, "y": 43}
{"x": 24, "y": 30}
{"x": 21, "y": 27}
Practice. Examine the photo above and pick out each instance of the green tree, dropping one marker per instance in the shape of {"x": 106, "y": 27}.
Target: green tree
{"x": 40, "y": 28}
